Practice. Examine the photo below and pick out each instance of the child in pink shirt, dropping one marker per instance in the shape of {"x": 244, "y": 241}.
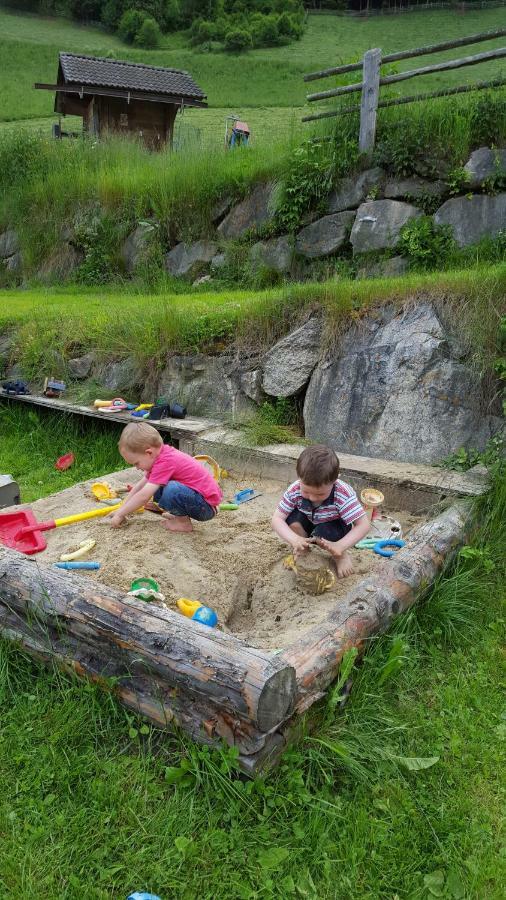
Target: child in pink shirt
{"x": 178, "y": 483}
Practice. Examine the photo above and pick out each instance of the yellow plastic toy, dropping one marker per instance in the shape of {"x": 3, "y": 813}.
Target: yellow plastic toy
{"x": 82, "y": 550}
{"x": 143, "y": 406}
{"x": 103, "y": 491}
{"x": 188, "y": 607}
{"x": 102, "y": 404}
{"x": 215, "y": 467}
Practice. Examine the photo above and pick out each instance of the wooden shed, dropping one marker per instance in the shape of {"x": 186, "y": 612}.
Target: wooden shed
{"x": 124, "y": 97}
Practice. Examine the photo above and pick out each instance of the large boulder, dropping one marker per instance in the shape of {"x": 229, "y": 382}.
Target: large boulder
{"x": 325, "y": 236}
{"x": 9, "y": 243}
{"x": 399, "y": 389}
{"x": 378, "y": 224}
{"x": 354, "y": 190}
{"x": 275, "y": 254}
{"x": 134, "y": 248}
{"x": 384, "y": 268}
{"x": 414, "y": 187}
{"x": 14, "y": 263}
{"x": 252, "y": 212}
{"x": 206, "y": 385}
{"x": 81, "y": 366}
{"x": 473, "y": 218}
{"x": 288, "y": 365}
{"x": 190, "y": 259}
{"x": 61, "y": 263}
{"x": 123, "y": 375}
{"x": 485, "y": 165}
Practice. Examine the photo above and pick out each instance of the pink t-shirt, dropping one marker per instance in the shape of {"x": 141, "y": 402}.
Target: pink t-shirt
{"x": 173, "y": 465}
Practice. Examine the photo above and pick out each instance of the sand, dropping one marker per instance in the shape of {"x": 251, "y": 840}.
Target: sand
{"x": 233, "y": 564}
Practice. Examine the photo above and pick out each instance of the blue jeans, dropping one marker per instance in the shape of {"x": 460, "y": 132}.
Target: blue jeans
{"x": 181, "y": 500}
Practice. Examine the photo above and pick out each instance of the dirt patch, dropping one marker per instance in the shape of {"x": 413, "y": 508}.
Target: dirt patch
{"x": 234, "y": 564}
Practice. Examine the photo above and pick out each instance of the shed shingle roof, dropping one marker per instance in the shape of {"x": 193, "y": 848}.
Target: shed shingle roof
{"x": 114, "y": 73}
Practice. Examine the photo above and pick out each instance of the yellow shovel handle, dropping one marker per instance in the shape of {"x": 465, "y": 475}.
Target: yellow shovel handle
{"x": 91, "y": 514}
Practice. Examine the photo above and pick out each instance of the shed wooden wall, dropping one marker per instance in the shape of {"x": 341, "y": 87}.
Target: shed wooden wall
{"x": 152, "y": 122}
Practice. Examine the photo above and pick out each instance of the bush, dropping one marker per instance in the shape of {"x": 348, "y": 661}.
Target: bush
{"x": 149, "y": 35}
{"x": 428, "y": 245}
{"x": 289, "y": 27}
{"x": 266, "y": 32}
{"x": 130, "y": 24}
{"x": 238, "y": 40}
{"x": 201, "y": 32}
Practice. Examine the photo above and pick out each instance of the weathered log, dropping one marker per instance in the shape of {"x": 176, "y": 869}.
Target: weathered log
{"x": 413, "y": 73}
{"x": 416, "y": 98}
{"x": 116, "y": 636}
{"x": 410, "y": 54}
{"x": 369, "y": 608}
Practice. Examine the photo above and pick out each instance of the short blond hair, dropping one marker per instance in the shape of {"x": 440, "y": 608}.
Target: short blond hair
{"x": 139, "y": 436}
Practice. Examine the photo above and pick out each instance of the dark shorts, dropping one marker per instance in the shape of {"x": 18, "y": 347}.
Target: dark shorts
{"x": 331, "y": 531}
{"x": 181, "y": 500}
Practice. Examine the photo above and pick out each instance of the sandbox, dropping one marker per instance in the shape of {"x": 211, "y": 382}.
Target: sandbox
{"x": 277, "y": 647}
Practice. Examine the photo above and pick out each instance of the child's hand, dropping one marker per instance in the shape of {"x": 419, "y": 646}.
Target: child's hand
{"x": 299, "y": 544}
{"x": 331, "y": 547}
{"x": 116, "y": 521}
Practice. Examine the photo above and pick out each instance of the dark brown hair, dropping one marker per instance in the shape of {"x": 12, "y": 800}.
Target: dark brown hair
{"x": 317, "y": 465}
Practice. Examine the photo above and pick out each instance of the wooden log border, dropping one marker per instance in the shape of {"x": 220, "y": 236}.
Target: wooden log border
{"x": 215, "y": 687}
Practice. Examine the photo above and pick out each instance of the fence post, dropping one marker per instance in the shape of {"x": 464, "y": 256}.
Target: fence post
{"x": 369, "y": 100}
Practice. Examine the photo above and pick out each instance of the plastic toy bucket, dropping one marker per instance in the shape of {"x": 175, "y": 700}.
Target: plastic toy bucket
{"x": 371, "y": 499}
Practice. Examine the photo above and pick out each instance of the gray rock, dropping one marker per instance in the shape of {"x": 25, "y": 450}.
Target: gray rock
{"x": 9, "y": 243}
{"x": 14, "y": 263}
{"x": 473, "y": 218}
{"x": 288, "y": 365}
{"x": 385, "y": 268}
{"x": 275, "y": 254}
{"x": 188, "y": 259}
{"x": 396, "y": 391}
{"x": 398, "y": 188}
{"x": 80, "y": 367}
{"x": 121, "y": 375}
{"x": 325, "y": 236}
{"x": 133, "y": 250}
{"x": 252, "y": 212}
{"x": 207, "y": 385}
{"x": 378, "y": 224}
{"x": 61, "y": 264}
{"x": 218, "y": 261}
{"x": 353, "y": 190}
{"x": 220, "y": 209}
{"x": 485, "y": 164}
{"x": 251, "y": 385}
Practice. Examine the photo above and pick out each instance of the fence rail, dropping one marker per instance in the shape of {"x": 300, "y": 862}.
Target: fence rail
{"x": 372, "y": 80}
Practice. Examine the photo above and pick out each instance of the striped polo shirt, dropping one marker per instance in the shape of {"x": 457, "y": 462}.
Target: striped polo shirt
{"x": 342, "y": 503}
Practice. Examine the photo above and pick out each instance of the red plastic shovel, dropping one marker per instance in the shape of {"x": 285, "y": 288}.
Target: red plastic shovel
{"x": 21, "y": 531}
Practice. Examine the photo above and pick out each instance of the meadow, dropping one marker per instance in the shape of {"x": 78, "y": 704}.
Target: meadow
{"x": 263, "y": 78}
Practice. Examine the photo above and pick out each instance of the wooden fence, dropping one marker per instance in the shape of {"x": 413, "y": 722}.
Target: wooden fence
{"x": 372, "y": 81}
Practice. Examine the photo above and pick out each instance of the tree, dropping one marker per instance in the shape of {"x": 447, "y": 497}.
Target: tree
{"x": 130, "y": 23}
{"x": 149, "y": 35}
{"x": 237, "y": 40}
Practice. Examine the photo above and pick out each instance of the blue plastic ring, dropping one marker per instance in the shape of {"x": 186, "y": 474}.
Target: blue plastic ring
{"x": 379, "y": 547}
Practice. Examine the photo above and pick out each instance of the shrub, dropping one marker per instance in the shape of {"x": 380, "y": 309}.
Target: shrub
{"x": 130, "y": 24}
{"x": 265, "y": 32}
{"x": 238, "y": 40}
{"x": 149, "y": 34}
{"x": 201, "y": 32}
{"x": 289, "y": 26}
{"x": 428, "y": 245}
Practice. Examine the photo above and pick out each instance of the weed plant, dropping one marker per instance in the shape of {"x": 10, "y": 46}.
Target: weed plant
{"x": 399, "y": 794}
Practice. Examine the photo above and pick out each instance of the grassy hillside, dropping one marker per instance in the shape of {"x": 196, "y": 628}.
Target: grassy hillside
{"x": 261, "y": 78}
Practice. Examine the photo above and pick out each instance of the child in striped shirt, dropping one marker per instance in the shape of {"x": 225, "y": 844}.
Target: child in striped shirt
{"x": 320, "y": 508}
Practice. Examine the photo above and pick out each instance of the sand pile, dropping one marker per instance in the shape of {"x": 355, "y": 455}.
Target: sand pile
{"x": 233, "y": 564}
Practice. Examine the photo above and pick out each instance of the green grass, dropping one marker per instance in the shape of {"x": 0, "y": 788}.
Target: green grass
{"x": 267, "y": 77}
{"x": 53, "y": 324}
{"x": 94, "y": 806}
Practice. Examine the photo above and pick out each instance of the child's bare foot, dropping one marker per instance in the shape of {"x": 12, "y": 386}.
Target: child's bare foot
{"x": 176, "y": 523}
{"x": 344, "y": 565}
